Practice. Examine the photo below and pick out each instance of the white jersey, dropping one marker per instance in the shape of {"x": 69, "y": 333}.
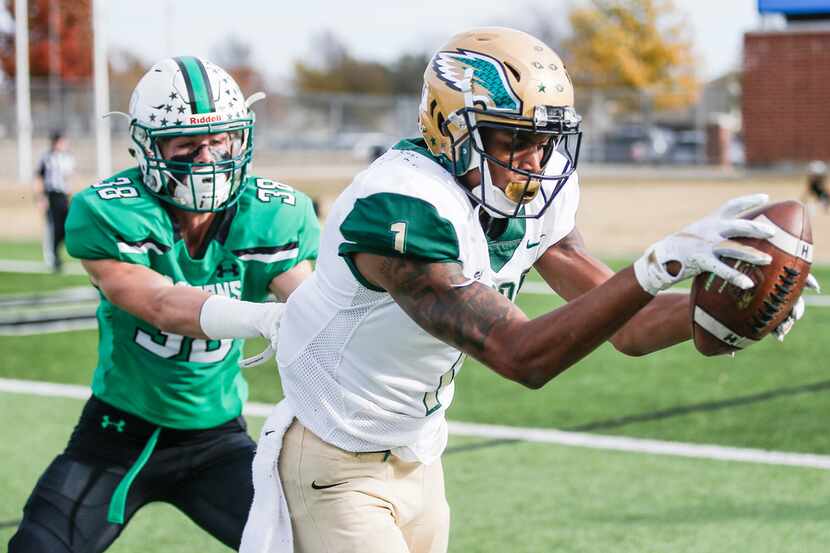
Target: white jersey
{"x": 357, "y": 370}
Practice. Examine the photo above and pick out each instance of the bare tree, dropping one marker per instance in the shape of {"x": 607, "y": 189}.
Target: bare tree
{"x": 236, "y": 57}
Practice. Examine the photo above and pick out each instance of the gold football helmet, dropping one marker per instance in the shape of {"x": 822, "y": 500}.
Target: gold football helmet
{"x": 494, "y": 77}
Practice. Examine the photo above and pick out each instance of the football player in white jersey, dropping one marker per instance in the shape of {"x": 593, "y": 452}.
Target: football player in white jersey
{"x": 419, "y": 262}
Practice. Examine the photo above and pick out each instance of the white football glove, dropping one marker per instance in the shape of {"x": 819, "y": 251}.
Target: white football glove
{"x": 798, "y": 311}
{"x": 698, "y": 247}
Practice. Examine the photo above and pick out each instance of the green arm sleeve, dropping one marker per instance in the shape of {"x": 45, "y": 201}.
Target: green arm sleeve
{"x": 88, "y": 236}
{"x": 91, "y": 235}
{"x": 398, "y": 225}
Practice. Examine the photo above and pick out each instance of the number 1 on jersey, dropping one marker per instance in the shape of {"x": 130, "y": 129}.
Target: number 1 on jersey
{"x": 399, "y": 230}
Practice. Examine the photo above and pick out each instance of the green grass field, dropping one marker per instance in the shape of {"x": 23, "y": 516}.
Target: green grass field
{"x": 535, "y": 497}
{"x": 521, "y": 497}
{"x": 22, "y": 283}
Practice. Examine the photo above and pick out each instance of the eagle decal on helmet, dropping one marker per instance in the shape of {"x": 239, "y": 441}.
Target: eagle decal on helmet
{"x": 487, "y": 73}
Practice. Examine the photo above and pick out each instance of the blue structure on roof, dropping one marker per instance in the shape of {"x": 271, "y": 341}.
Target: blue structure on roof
{"x": 794, "y": 7}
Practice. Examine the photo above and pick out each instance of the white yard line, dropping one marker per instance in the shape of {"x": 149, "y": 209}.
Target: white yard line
{"x": 638, "y": 445}
{"x": 37, "y": 267}
{"x": 74, "y": 294}
{"x": 52, "y": 327}
{"x": 538, "y": 435}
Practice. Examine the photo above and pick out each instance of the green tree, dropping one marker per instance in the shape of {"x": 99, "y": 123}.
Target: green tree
{"x": 637, "y": 45}
{"x": 332, "y": 68}
{"x": 407, "y": 73}
{"x": 235, "y": 56}
{"x": 125, "y": 70}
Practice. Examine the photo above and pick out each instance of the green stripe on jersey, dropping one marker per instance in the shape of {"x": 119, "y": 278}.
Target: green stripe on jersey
{"x": 198, "y": 85}
{"x": 502, "y": 249}
{"x": 397, "y": 225}
{"x": 419, "y": 145}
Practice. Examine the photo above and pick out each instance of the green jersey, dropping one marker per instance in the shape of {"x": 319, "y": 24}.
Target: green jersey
{"x": 170, "y": 380}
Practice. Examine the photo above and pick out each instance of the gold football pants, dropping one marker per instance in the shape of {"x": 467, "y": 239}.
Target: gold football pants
{"x": 343, "y": 502}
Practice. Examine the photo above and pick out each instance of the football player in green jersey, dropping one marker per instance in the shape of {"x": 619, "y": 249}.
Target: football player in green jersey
{"x": 185, "y": 249}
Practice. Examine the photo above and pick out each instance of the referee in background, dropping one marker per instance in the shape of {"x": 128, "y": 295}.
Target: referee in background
{"x": 54, "y": 170}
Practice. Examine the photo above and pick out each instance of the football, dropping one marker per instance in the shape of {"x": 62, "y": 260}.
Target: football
{"x": 725, "y": 318}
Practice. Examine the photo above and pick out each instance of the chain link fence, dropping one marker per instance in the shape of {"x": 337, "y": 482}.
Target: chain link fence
{"x": 619, "y": 127}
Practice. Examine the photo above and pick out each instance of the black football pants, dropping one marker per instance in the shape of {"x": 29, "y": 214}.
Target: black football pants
{"x": 56, "y": 212}
{"x": 204, "y": 473}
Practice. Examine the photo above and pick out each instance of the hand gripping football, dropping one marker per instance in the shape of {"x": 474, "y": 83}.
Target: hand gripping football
{"x": 726, "y": 318}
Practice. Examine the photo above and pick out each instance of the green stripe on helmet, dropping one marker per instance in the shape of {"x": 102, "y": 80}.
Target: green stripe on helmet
{"x": 198, "y": 85}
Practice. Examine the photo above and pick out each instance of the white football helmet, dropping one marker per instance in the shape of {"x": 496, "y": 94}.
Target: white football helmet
{"x": 187, "y": 96}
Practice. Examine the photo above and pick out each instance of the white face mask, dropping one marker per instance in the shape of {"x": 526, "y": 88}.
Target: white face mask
{"x": 206, "y": 193}
{"x": 202, "y": 190}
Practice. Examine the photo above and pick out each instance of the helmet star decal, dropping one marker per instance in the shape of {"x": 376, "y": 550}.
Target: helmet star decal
{"x": 488, "y": 74}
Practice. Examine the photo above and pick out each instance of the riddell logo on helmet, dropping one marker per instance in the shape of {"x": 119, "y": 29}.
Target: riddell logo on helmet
{"x": 205, "y": 118}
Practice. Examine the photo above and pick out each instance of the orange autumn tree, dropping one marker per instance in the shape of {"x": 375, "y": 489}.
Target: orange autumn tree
{"x": 642, "y": 46}
{"x": 72, "y": 34}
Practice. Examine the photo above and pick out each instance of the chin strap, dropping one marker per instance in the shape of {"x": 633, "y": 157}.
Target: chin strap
{"x": 498, "y": 199}
{"x": 486, "y": 190}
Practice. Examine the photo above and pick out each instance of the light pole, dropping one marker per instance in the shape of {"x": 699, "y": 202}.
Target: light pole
{"x": 24, "y": 101}
{"x": 102, "y": 90}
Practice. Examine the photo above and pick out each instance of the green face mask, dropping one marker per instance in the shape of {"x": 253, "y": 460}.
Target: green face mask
{"x": 197, "y": 185}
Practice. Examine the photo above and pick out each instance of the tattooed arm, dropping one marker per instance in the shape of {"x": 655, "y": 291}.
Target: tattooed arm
{"x": 481, "y": 322}
{"x": 571, "y": 271}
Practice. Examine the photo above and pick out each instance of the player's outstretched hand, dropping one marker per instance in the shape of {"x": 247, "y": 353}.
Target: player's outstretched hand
{"x": 798, "y": 311}
{"x": 697, "y": 248}
{"x": 269, "y": 327}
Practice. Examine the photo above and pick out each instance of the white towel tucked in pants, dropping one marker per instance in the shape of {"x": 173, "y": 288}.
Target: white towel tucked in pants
{"x": 268, "y": 529}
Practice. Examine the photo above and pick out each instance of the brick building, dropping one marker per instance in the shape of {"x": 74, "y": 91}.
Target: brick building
{"x": 786, "y": 94}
